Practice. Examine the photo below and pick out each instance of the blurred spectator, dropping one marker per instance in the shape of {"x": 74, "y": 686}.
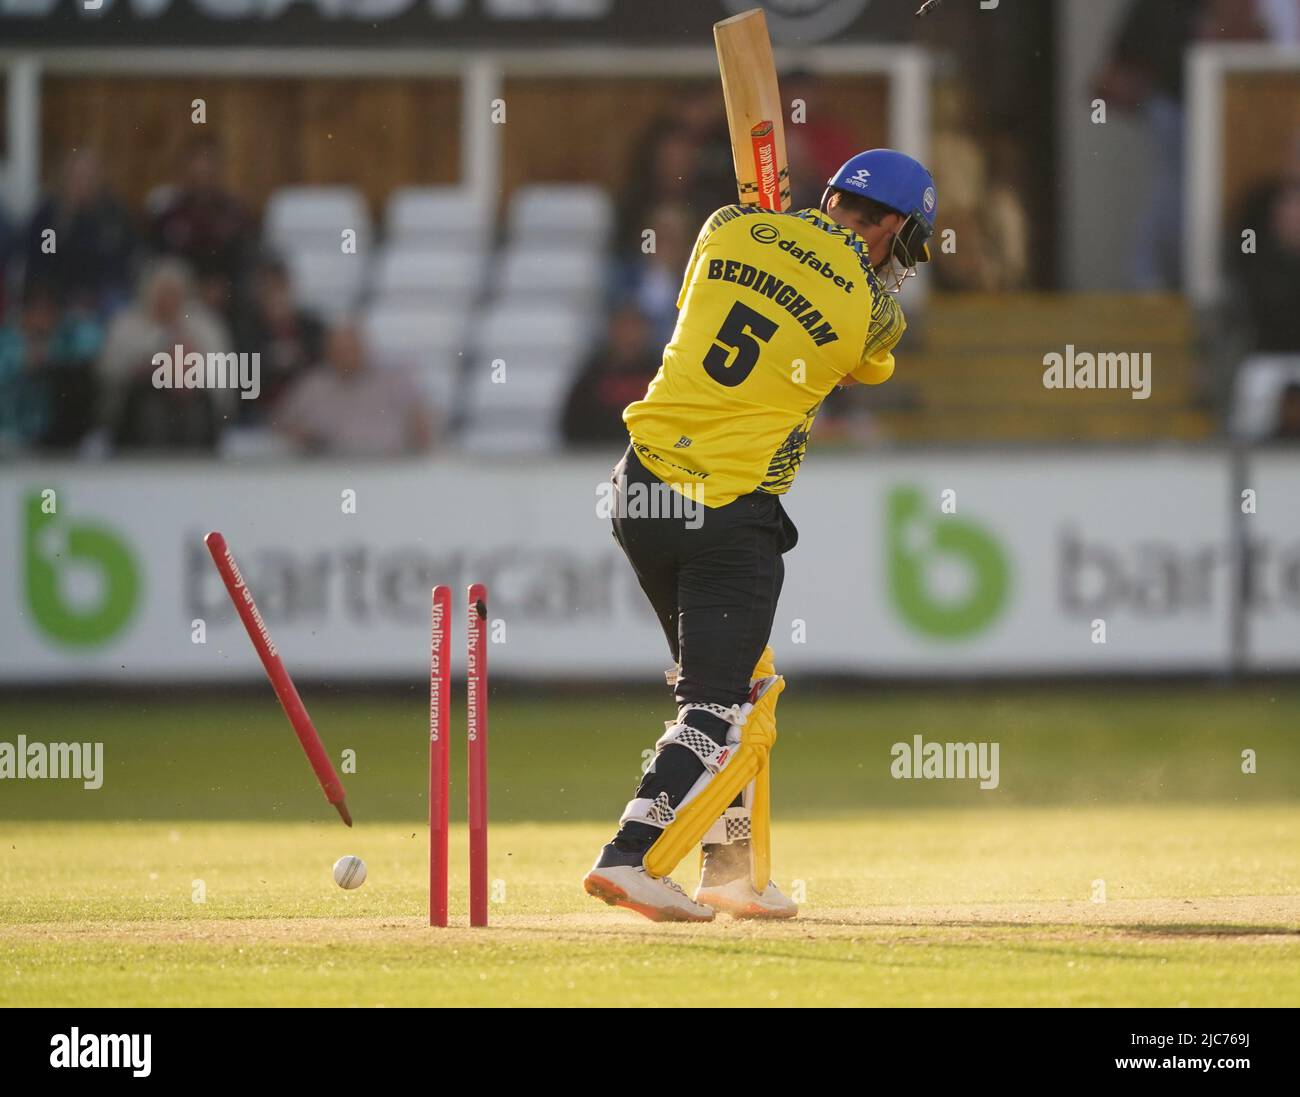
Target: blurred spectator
{"x": 206, "y": 225}
{"x": 164, "y": 316}
{"x": 1288, "y": 415}
{"x": 287, "y": 338}
{"x": 93, "y": 241}
{"x": 45, "y": 373}
{"x": 817, "y": 146}
{"x": 683, "y": 157}
{"x": 349, "y": 407}
{"x": 977, "y": 180}
{"x": 702, "y": 114}
{"x": 1144, "y": 74}
{"x": 615, "y": 375}
{"x": 1005, "y": 217}
{"x": 1270, "y": 279}
{"x": 1280, "y": 20}
{"x": 847, "y": 418}
{"x": 1258, "y": 204}
{"x": 24, "y": 392}
{"x": 7, "y": 245}
{"x": 653, "y": 280}
{"x": 667, "y": 176}
{"x": 166, "y": 419}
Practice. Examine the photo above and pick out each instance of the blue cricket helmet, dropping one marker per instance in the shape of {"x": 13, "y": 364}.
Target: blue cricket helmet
{"x": 893, "y": 179}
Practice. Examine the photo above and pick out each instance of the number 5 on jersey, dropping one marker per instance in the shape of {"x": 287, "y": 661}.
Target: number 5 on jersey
{"x": 735, "y": 349}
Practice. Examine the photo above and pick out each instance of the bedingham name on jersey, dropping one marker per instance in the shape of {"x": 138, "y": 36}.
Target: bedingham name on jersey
{"x": 775, "y": 310}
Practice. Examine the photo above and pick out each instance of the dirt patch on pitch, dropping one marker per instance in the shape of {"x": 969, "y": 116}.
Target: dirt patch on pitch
{"x": 1270, "y": 917}
{"x": 1227, "y": 916}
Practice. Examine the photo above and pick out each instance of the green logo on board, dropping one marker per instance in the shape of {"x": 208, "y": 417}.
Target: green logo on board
{"x": 923, "y": 548}
{"x": 82, "y": 581}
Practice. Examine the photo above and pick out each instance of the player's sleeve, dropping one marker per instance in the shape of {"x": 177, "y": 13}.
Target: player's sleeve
{"x": 883, "y": 333}
{"x": 716, "y": 218}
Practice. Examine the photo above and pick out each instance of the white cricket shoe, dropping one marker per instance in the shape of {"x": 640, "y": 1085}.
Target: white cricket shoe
{"x": 739, "y": 899}
{"x": 631, "y": 887}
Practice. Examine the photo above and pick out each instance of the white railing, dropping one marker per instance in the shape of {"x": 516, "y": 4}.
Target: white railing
{"x": 482, "y": 74}
{"x": 1208, "y": 68}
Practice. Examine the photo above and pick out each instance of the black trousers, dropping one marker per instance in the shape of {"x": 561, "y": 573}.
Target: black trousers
{"x": 713, "y": 576}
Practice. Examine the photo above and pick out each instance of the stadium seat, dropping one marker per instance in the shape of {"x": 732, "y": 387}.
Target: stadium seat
{"x": 440, "y": 279}
{"x": 976, "y": 375}
{"x": 405, "y": 333}
{"x": 438, "y": 218}
{"x": 326, "y": 280}
{"x": 426, "y": 343}
{"x": 529, "y": 388}
{"x": 1258, "y": 391}
{"x": 314, "y": 218}
{"x": 530, "y": 330}
{"x": 517, "y": 411}
{"x": 510, "y": 438}
{"x": 573, "y": 276}
{"x": 579, "y": 216}
{"x": 439, "y": 377}
{"x": 253, "y": 444}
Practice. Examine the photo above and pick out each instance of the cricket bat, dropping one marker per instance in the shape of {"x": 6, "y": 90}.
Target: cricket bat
{"x": 754, "y": 114}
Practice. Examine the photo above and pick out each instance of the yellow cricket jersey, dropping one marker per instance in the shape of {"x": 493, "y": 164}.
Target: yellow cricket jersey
{"x": 775, "y": 310}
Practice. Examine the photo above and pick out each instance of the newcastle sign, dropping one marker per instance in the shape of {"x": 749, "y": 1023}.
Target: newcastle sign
{"x": 481, "y": 23}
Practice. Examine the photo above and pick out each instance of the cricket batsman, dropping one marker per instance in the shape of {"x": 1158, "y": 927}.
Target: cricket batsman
{"x": 775, "y": 311}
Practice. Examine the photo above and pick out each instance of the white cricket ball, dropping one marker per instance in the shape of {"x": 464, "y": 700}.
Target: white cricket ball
{"x": 349, "y": 872}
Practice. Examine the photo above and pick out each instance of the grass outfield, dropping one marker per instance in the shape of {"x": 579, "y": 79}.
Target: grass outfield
{"x": 925, "y": 908}
{"x": 916, "y": 892}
